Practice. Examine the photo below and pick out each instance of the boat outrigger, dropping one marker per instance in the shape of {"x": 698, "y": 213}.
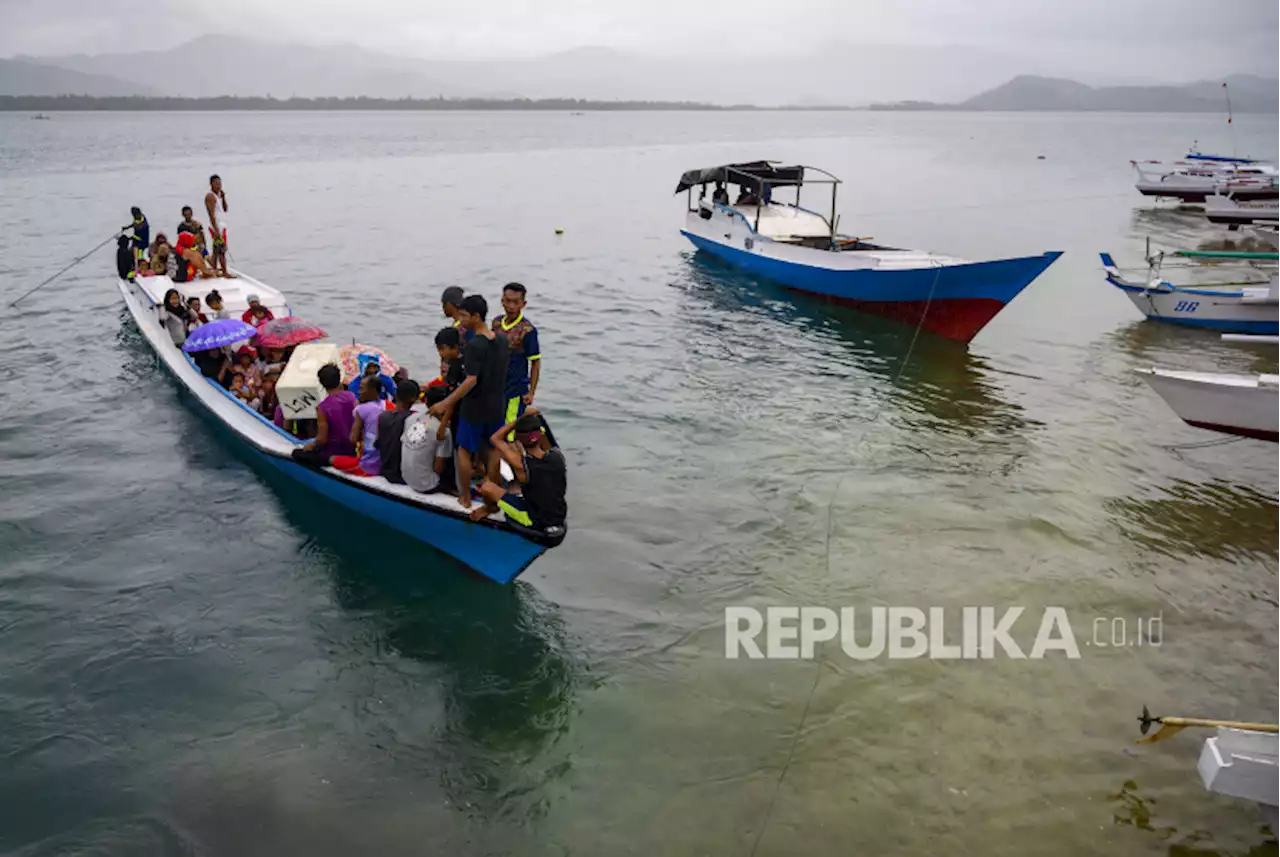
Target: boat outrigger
{"x": 495, "y": 547}
{"x": 803, "y": 250}
{"x": 1239, "y": 760}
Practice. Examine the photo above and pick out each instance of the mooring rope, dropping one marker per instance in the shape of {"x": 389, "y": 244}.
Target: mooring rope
{"x": 831, "y": 504}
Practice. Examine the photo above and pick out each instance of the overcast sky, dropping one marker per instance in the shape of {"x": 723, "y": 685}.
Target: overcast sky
{"x": 1133, "y": 39}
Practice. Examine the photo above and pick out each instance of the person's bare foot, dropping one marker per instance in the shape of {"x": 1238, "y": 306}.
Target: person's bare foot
{"x": 464, "y": 502}
{"x": 479, "y": 513}
{"x": 230, "y": 276}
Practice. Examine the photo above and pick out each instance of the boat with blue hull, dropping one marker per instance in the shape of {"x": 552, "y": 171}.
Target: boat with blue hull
{"x": 1245, "y": 304}
{"x": 494, "y": 547}
{"x": 803, "y": 250}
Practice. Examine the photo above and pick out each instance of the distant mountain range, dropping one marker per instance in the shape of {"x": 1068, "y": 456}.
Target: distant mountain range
{"x": 841, "y": 73}
{"x": 28, "y": 78}
{"x": 1249, "y": 94}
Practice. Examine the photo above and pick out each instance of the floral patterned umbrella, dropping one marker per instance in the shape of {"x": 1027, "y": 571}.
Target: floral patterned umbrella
{"x": 290, "y": 330}
{"x": 349, "y": 360}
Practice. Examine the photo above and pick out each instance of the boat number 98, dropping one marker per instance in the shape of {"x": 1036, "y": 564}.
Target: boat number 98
{"x": 1186, "y": 306}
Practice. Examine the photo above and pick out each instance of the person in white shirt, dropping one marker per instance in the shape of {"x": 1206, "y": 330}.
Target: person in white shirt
{"x": 426, "y": 455}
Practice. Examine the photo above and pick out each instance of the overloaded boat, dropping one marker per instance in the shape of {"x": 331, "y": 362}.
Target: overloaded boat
{"x": 495, "y": 547}
{"x": 804, "y": 250}
{"x": 1235, "y": 306}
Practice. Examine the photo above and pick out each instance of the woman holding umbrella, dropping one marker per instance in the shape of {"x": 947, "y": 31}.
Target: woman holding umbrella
{"x": 205, "y": 345}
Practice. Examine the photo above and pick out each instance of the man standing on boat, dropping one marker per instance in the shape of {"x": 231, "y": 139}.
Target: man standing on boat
{"x": 217, "y": 224}
{"x": 480, "y": 395}
{"x": 526, "y": 357}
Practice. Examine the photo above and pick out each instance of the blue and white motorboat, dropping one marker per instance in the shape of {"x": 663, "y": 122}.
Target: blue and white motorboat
{"x": 1238, "y": 306}
{"x": 803, "y": 250}
{"x": 496, "y": 548}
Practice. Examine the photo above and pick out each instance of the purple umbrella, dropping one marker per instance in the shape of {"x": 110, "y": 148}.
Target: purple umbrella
{"x": 216, "y": 334}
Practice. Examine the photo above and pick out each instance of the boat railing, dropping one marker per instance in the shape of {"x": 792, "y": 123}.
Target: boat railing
{"x": 733, "y": 212}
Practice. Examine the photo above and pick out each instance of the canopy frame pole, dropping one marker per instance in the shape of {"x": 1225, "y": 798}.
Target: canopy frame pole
{"x": 834, "y": 187}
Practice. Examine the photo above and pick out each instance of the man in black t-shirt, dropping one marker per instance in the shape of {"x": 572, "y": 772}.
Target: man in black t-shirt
{"x": 540, "y": 473}
{"x": 480, "y": 397}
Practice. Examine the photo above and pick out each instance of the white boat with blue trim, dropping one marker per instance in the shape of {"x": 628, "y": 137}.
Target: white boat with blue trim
{"x": 1241, "y": 305}
{"x": 803, "y": 250}
{"x": 496, "y": 548}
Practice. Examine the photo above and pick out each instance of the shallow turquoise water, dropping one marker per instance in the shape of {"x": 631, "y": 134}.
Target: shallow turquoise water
{"x": 197, "y": 660}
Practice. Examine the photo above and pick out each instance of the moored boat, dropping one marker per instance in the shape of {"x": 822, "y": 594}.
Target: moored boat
{"x": 802, "y": 249}
{"x": 1245, "y": 405}
{"x": 1193, "y": 181}
{"x": 1237, "y": 306}
{"x": 1225, "y": 209}
{"x": 495, "y": 547}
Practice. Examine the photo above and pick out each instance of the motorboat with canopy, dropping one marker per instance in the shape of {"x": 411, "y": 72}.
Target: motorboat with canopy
{"x": 766, "y": 231}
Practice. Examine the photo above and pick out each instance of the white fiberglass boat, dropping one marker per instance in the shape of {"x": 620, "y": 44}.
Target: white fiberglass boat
{"x": 1245, "y": 405}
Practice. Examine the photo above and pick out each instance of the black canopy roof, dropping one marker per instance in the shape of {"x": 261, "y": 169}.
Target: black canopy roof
{"x": 752, "y": 174}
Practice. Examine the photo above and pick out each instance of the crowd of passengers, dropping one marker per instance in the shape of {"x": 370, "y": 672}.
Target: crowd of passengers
{"x": 435, "y": 437}
{"x": 191, "y": 256}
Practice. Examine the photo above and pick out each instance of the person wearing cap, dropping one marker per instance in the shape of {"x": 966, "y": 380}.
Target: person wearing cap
{"x": 256, "y": 314}
{"x": 540, "y": 470}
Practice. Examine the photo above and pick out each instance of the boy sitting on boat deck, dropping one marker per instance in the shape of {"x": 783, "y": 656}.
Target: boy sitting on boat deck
{"x": 540, "y": 471}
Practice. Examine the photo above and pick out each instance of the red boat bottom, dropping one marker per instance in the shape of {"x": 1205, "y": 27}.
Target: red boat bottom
{"x": 958, "y": 319}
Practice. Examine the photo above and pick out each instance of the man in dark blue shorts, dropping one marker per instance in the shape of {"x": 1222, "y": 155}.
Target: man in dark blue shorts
{"x": 480, "y": 398}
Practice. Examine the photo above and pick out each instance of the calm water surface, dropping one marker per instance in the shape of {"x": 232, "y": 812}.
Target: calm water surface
{"x": 195, "y": 660}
